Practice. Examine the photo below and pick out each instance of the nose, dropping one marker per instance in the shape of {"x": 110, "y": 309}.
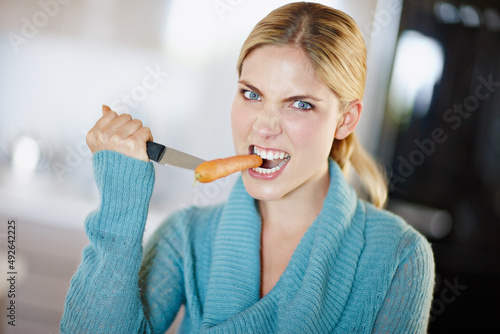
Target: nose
{"x": 268, "y": 122}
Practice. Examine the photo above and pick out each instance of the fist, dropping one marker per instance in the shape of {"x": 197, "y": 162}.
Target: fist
{"x": 119, "y": 133}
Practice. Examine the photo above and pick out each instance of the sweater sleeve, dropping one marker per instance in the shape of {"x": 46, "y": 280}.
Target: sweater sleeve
{"x": 104, "y": 294}
{"x": 406, "y": 307}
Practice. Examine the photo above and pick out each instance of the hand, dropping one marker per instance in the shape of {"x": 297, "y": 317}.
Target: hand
{"x": 119, "y": 133}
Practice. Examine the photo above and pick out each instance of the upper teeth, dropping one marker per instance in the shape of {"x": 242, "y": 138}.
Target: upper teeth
{"x": 268, "y": 154}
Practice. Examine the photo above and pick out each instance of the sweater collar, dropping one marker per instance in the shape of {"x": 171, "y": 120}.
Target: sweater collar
{"x": 234, "y": 281}
{"x": 233, "y": 291}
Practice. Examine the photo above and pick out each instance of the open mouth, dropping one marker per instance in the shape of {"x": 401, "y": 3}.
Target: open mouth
{"x": 273, "y": 160}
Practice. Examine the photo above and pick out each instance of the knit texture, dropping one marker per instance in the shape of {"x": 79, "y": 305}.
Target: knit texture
{"x": 357, "y": 269}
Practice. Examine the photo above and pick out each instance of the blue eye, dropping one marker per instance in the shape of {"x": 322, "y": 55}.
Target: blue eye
{"x": 302, "y": 105}
{"x": 248, "y": 94}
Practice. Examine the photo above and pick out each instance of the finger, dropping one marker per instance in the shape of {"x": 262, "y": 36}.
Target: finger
{"x": 140, "y": 137}
{"x": 130, "y": 140}
{"x": 105, "y": 109}
{"x": 97, "y": 136}
{"x": 128, "y": 128}
{"x": 107, "y": 116}
{"x": 115, "y": 123}
{"x": 143, "y": 135}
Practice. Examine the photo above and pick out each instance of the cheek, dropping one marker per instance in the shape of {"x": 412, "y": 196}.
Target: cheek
{"x": 314, "y": 136}
{"x": 240, "y": 121}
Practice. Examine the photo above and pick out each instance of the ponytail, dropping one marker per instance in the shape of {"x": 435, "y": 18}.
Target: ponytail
{"x": 348, "y": 152}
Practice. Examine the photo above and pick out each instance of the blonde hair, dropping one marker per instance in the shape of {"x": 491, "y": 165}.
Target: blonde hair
{"x": 334, "y": 44}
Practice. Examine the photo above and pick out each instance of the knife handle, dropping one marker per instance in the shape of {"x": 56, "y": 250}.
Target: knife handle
{"x": 155, "y": 150}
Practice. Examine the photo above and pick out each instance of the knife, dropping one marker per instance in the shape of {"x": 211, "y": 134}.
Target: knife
{"x": 166, "y": 155}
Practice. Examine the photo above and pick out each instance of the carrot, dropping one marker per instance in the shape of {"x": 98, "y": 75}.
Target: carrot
{"x": 212, "y": 170}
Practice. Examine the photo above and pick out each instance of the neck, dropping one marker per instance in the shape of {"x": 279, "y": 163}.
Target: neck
{"x": 293, "y": 214}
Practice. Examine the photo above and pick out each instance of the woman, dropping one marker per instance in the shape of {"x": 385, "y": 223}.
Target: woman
{"x": 292, "y": 250}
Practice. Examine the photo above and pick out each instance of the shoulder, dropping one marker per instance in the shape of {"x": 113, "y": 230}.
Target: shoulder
{"x": 388, "y": 234}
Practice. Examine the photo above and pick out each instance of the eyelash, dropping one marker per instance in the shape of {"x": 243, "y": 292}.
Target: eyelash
{"x": 307, "y": 109}
{"x": 244, "y": 91}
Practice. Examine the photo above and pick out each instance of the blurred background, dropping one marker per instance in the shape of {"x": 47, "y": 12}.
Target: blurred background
{"x": 431, "y": 117}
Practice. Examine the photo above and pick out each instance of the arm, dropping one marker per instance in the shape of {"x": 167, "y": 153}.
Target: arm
{"x": 104, "y": 295}
{"x": 407, "y": 304}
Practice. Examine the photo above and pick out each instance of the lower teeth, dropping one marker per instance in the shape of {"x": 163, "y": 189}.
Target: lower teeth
{"x": 270, "y": 170}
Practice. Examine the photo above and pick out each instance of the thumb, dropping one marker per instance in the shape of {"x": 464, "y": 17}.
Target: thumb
{"x": 105, "y": 109}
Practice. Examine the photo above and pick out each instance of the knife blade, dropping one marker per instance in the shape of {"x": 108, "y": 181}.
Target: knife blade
{"x": 166, "y": 155}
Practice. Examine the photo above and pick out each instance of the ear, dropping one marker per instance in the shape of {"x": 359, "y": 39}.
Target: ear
{"x": 349, "y": 119}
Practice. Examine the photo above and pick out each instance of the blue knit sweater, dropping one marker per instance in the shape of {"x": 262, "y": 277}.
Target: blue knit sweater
{"x": 357, "y": 269}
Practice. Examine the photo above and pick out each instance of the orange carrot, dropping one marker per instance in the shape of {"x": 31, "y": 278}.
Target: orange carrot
{"x": 212, "y": 170}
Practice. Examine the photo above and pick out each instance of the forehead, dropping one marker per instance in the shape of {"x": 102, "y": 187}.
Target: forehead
{"x": 281, "y": 67}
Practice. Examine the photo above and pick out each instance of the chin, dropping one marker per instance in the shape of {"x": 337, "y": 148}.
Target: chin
{"x": 260, "y": 190}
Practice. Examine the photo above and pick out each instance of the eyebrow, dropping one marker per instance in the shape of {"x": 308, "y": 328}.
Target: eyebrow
{"x": 288, "y": 99}
{"x": 255, "y": 89}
